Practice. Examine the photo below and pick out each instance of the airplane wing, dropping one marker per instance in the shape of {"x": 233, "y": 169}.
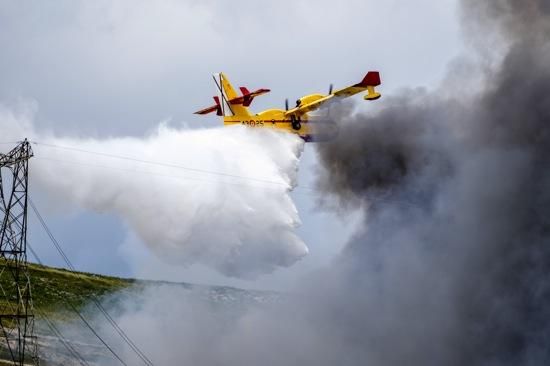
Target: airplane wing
{"x": 369, "y": 82}
{"x": 308, "y": 107}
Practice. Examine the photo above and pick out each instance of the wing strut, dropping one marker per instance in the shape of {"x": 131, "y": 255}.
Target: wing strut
{"x": 220, "y": 89}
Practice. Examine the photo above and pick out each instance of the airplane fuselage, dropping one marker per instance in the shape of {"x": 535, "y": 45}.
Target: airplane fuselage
{"x": 320, "y": 130}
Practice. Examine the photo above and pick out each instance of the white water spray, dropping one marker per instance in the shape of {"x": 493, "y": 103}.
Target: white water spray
{"x": 218, "y": 197}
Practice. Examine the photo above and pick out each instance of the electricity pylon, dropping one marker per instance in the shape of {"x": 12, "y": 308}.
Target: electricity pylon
{"x": 16, "y": 309}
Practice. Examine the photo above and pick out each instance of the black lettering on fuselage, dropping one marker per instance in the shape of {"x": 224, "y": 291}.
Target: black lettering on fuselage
{"x": 253, "y": 123}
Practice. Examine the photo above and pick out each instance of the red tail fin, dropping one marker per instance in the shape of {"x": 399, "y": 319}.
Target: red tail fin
{"x": 371, "y": 79}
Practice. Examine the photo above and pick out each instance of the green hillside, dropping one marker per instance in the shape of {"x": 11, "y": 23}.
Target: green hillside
{"x": 54, "y": 291}
{"x": 53, "y": 288}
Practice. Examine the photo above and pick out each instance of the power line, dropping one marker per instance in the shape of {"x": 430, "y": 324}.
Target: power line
{"x": 95, "y": 333}
{"x": 178, "y": 177}
{"x": 151, "y": 162}
{"x": 63, "y": 340}
{"x": 170, "y": 165}
{"x": 71, "y": 305}
{"x": 94, "y": 298}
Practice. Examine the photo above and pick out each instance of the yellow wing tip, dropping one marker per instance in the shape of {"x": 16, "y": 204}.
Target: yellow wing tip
{"x": 371, "y": 93}
{"x": 372, "y": 96}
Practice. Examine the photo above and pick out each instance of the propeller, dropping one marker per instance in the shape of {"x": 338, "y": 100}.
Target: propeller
{"x": 330, "y": 89}
{"x": 286, "y": 104}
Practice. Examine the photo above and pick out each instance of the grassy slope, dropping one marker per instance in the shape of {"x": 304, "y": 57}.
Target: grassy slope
{"x": 52, "y": 288}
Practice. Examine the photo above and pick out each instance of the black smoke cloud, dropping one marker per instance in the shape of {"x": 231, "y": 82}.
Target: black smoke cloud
{"x": 456, "y": 193}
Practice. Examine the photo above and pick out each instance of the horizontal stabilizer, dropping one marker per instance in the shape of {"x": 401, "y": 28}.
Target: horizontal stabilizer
{"x": 247, "y": 97}
{"x": 215, "y": 108}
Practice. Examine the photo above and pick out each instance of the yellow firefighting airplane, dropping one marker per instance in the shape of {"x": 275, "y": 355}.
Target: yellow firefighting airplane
{"x": 234, "y": 108}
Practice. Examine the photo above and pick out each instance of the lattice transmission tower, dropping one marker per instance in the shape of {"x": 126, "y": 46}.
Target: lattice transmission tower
{"x": 16, "y": 309}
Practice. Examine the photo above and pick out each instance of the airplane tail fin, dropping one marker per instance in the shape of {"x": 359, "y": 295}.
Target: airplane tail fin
{"x": 228, "y": 102}
{"x": 370, "y": 81}
{"x": 229, "y": 94}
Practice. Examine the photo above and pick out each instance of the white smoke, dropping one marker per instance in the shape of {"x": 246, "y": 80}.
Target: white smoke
{"x": 218, "y": 197}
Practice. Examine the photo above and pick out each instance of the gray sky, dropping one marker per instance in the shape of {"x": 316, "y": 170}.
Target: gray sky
{"x": 116, "y": 68}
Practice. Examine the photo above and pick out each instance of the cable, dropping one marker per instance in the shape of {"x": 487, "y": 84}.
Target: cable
{"x": 158, "y": 163}
{"x": 94, "y": 298}
{"x": 149, "y": 172}
{"x": 203, "y": 171}
{"x": 64, "y": 341}
{"x": 178, "y": 177}
{"x": 102, "y": 309}
{"x": 71, "y": 305}
{"x": 95, "y": 333}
